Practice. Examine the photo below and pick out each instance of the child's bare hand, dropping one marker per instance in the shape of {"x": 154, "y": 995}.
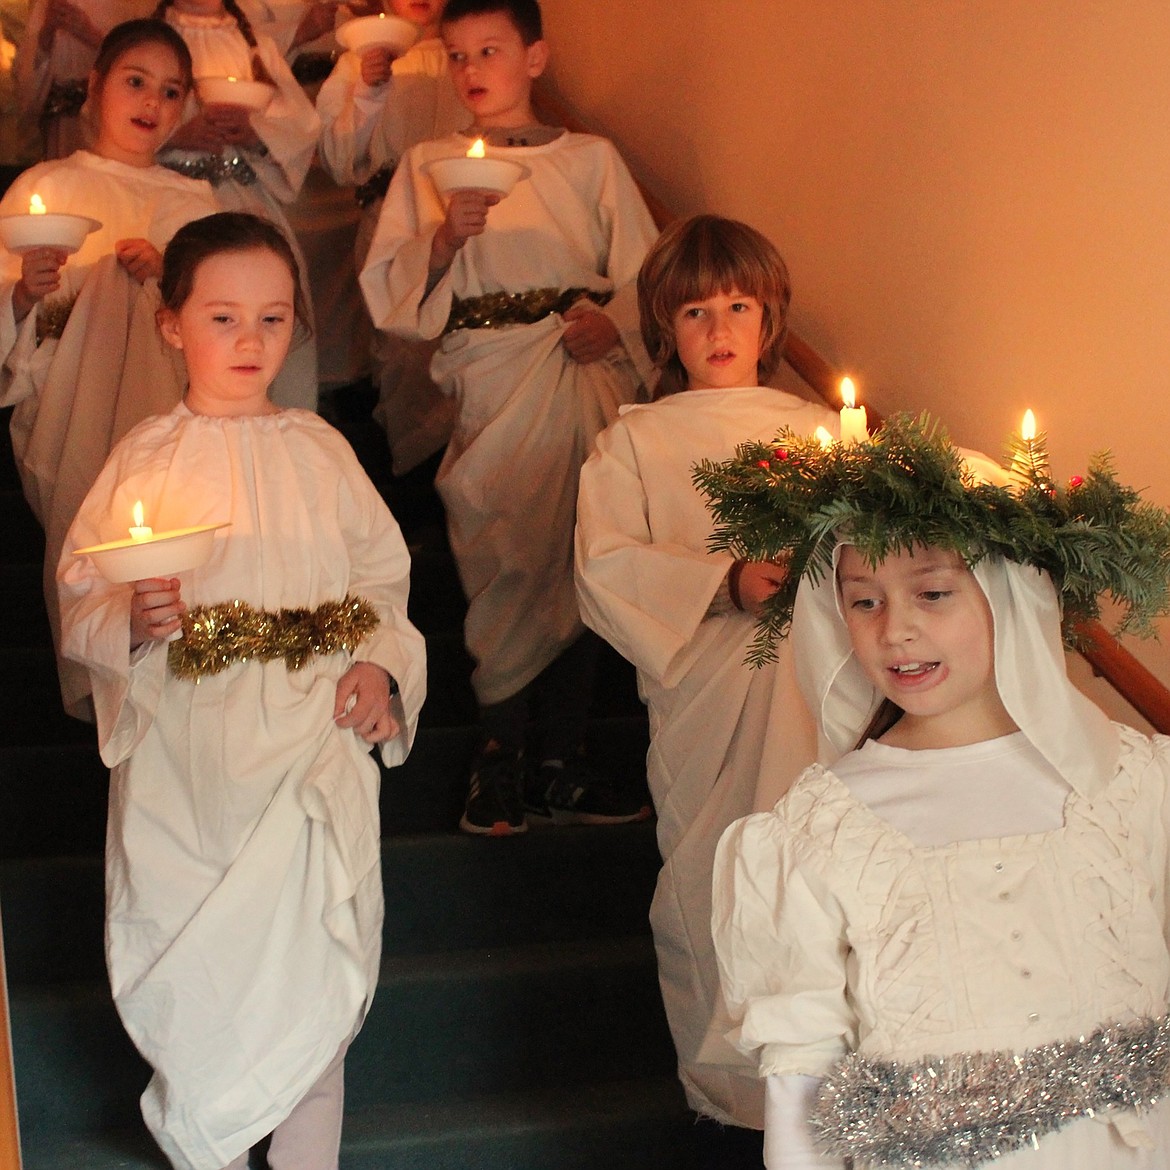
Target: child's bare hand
{"x": 467, "y": 214}
{"x": 156, "y": 610}
{"x": 62, "y": 16}
{"x": 363, "y": 703}
{"x": 140, "y": 258}
{"x": 758, "y": 580}
{"x": 589, "y": 334}
{"x": 40, "y": 275}
{"x": 318, "y": 21}
{"x": 376, "y": 66}
{"x": 232, "y": 123}
{"x": 198, "y": 134}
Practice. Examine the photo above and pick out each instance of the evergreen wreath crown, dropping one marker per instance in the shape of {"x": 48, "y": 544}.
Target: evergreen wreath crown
{"x": 908, "y": 485}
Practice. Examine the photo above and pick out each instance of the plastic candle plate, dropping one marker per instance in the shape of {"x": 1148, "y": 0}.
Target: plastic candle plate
{"x": 22, "y": 233}
{"x": 497, "y": 175}
{"x": 162, "y": 555}
{"x": 377, "y": 32}
{"x": 234, "y": 91}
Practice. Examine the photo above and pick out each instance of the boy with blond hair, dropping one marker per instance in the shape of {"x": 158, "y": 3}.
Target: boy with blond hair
{"x": 533, "y": 297}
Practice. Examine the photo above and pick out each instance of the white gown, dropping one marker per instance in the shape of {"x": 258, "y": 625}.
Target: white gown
{"x": 364, "y": 129}
{"x": 726, "y": 739}
{"x": 75, "y": 396}
{"x": 288, "y": 132}
{"x": 527, "y": 413}
{"x": 244, "y": 900}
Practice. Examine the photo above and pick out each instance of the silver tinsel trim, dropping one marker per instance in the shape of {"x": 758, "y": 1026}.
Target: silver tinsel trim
{"x": 215, "y": 168}
{"x": 970, "y": 1108}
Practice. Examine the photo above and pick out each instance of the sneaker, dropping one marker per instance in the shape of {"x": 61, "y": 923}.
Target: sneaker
{"x": 576, "y": 794}
{"x": 495, "y": 806}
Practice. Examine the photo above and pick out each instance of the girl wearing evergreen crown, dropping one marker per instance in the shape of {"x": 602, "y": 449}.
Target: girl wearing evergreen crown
{"x": 947, "y": 945}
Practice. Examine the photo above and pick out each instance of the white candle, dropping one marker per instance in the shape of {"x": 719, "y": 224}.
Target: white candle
{"x": 853, "y": 422}
{"x": 140, "y": 531}
{"x": 36, "y": 205}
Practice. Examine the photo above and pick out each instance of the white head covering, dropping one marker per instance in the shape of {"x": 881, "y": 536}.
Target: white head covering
{"x": 1070, "y": 731}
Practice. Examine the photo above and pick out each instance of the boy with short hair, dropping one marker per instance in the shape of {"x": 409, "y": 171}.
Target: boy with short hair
{"x": 533, "y": 296}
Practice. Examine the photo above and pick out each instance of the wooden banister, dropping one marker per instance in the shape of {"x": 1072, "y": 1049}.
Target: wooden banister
{"x": 9, "y": 1130}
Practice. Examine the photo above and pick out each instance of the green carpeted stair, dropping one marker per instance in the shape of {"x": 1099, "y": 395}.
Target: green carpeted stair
{"x": 517, "y": 1022}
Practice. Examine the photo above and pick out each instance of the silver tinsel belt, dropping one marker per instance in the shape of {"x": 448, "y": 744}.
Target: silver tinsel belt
{"x": 216, "y": 636}
{"x": 495, "y": 310}
{"x": 215, "y": 168}
{"x": 970, "y": 1108}
{"x": 374, "y": 188}
{"x": 65, "y": 99}
{"x": 52, "y": 317}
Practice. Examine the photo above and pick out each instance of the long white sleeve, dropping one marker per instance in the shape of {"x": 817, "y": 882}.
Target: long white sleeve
{"x": 788, "y": 1145}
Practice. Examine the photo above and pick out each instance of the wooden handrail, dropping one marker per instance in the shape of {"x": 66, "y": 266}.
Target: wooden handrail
{"x": 9, "y": 1129}
{"x": 1108, "y": 658}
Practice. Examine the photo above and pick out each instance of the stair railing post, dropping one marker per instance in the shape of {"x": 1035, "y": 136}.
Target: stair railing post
{"x": 9, "y": 1130}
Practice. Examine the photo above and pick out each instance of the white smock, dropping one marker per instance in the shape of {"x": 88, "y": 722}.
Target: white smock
{"x": 527, "y": 413}
{"x": 64, "y": 59}
{"x": 75, "y": 396}
{"x": 288, "y": 131}
{"x": 836, "y": 931}
{"x": 244, "y": 898}
{"x": 726, "y": 739}
{"x": 365, "y": 128}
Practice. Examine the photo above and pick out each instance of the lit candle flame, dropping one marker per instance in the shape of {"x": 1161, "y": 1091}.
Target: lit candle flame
{"x": 823, "y": 436}
{"x": 1028, "y": 427}
{"x": 139, "y": 516}
{"x": 848, "y": 393}
{"x": 476, "y": 149}
{"x": 36, "y": 206}
{"x": 140, "y": 531}
{"x": 231, "y": 79}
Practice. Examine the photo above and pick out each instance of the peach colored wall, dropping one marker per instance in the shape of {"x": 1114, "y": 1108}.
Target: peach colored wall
{"x": 973, "y": 195}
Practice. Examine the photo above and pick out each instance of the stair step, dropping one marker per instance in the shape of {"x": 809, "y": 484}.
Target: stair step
{"x": 440, "y": 1029}
{"x": 443, "y": 893}
{"x": 625, "y": 1125}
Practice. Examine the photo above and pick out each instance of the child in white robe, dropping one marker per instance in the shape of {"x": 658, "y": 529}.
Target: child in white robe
{"x": 373, "y": 108}
{"x": 53, "y": 62}
{"x": 725, "y": 739}
{"x": 257, "y": 161}
{"x": 82, "y": 360}
{"x": 244, "y": 898}
{"x": 515, "y": 288}
{"x": 963, "y": 911}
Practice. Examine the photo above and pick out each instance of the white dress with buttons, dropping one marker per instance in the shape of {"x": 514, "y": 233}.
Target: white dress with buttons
{"x": 926, "y": 903}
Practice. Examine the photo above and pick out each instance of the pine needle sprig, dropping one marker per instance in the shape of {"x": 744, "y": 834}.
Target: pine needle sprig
{"x": 794, "y": 499}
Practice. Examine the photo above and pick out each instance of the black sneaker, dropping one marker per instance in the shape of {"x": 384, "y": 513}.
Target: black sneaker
{"x": 574, "y": 793}
{"x": 495, "y": 806}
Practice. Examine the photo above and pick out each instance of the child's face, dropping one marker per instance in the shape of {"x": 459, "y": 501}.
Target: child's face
{"x": 140, "y": 103}
{"x": 922, "y": 631}
{"x": 718, "y": 340}
{"x": 234, "y": 329}
{"x": 424, "y": 13}
{"x": 493, "y": 69}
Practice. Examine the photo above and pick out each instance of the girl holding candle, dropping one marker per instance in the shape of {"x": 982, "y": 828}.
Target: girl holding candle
{"x": 256, "y": 160}
{"x": 713, "y": 295}
{"x": 82, "y": 361}
{"x": 946, "y": 945}
{"x": 244, "y": 898}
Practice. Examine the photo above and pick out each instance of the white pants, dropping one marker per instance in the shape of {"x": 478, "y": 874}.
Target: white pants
{"x": 309, "y": 1138}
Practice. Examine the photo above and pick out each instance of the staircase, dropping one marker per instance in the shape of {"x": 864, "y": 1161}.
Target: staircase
{"x": 517, "y": 1022}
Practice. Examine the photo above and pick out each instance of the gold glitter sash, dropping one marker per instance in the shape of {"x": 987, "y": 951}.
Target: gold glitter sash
{"x": 216, "y": 636}
{"x": 972, "y": 1107}
{"x": 497, "y": 309}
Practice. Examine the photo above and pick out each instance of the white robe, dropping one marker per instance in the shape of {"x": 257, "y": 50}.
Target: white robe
{"x": 725, "y": 739}
{"x": 244, "y": 899}
{"x": 288, "y": 131}
{"x": 67, "y": 59}
{"x": 363, "y": 129}
{"x": 76, "y": 396}
{"x": 527, "y": 413}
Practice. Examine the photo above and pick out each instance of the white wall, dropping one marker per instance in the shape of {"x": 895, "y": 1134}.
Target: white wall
{"x": 973, "y": 195}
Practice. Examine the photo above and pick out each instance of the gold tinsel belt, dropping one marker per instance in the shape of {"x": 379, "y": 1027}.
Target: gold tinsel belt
{"x": 971, "y": 1108}
{"x": 216, "y": 636}
{"x": 495, "y": 310}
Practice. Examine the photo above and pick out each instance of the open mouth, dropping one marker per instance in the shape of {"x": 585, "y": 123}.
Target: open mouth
{"x": 476, "y": 92}
{"x": 144, "y": 124}
{"x": 914, "y": 670}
